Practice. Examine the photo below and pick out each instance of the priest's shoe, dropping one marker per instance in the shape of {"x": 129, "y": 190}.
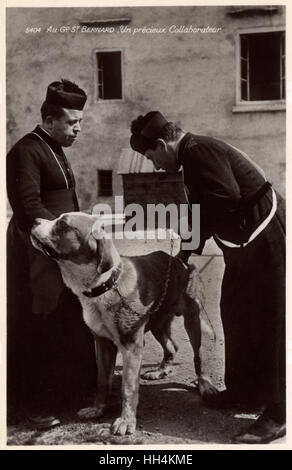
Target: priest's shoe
{"x": 42, "y": 422}
{"x": 263, "y": 431}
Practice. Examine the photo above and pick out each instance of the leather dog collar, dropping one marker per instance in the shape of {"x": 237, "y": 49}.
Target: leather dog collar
{"x": 105, "y": 286}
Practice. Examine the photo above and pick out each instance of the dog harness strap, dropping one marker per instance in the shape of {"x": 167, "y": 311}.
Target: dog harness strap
{"x": 104, "y": 287}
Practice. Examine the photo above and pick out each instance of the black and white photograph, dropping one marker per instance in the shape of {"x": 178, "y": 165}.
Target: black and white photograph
{"x": 145, "y": 224}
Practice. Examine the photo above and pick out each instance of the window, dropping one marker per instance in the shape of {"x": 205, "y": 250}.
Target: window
{"x": 261, "y": 69}
{"x": 105, "y": 184}
{"x": 109, "y": 75}
{"x": 262, "y": 66}
{"x": 241, "y": 10}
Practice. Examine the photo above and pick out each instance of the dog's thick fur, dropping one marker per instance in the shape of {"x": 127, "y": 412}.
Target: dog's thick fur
{"x": 119, "y": 317}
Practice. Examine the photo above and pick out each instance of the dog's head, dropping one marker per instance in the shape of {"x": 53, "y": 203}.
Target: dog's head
{"x": 70, "y": 237}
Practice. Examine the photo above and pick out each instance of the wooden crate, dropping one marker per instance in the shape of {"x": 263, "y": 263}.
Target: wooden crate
{"x": 153, "y": 188}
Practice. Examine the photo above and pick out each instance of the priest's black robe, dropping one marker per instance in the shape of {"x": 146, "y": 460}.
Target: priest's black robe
{"x": 50, "y": 351}
{"x": 235, "y": 200}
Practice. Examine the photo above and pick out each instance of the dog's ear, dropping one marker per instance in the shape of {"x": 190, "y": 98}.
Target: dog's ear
{"x": 97, "y": 234}
{"x": 100, "y": 250}
{"x": 106, "y": 255}
{"x": 98, "y": 229}
{"x": 61, "y": 225}
{"x": 92, "y": 243}
{"x": 68, "y": 241}
{"x": 103, "y": 247}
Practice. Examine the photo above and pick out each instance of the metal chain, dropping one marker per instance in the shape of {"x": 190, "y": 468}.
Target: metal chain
{"x": 164, "y": 292}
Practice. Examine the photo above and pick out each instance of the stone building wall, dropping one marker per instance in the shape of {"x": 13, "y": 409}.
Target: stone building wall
{"x": 190, "y": 77}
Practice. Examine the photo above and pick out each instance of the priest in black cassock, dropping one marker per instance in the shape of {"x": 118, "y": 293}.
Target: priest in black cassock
{"x": 246, "y": 217}
{"x": 50, "y": 351}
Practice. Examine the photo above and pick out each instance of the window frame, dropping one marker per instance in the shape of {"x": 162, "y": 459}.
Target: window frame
{"x": 259, "y": 105}
{"x": 96, "y": 83}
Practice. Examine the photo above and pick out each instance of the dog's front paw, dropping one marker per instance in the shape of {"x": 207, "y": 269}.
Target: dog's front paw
{"x": 206, "y": 387}
{"x": 122, "y": 426}
{"x": 91, "y": 412}
{"x": 157, "y": 374}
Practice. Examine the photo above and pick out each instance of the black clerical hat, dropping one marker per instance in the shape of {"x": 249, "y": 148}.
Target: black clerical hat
{"x": 146, "y": 130}
{"x": 66, "y": 94}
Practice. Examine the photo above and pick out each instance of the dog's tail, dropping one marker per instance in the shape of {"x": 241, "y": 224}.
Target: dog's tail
{"x": 195, "y": 290}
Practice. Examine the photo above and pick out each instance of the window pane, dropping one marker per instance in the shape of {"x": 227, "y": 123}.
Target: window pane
{"x": 100, "y": 76}
{"x": 244, "y": 69}
{"x": 283, "y": 89}
{"x": 264, "y": 72}
{"x": 283, "y": 45}
{"x": 244, "y": 47}
{"x": 100, "y": 91}
{"x": 243, "y": 90}
{"x": 105, "y": 183}
{"x": 112, "y": 74}
{"x": 100, "y": 61}
{"x": 283, "y": 68}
